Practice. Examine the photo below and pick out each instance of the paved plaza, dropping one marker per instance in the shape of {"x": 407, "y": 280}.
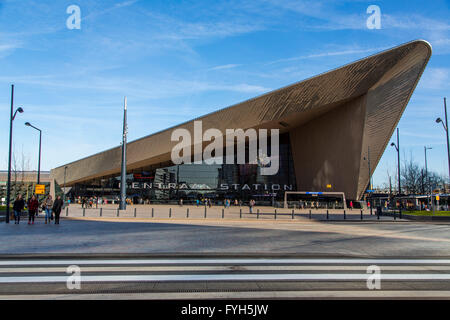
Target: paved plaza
{"x": 161, "y": 234}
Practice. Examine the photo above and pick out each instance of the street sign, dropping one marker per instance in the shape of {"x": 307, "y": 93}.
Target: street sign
{"x": 40, "y": 189}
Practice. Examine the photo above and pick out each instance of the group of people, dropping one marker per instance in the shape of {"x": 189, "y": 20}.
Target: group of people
{"x": 49, "y": 206}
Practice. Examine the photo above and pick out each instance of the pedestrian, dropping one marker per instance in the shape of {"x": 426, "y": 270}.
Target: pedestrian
{"x": 351, "y": 205}
{"x": 47, "y": 206}
{"x": 18, "y": 206}
{"x": 181, "y": 202}
{"x": 57, "y": 206}
{"x": 197, "y": 202}
{"x": 250, "y": 206}
{"x": 83, "y": 202}
{"x": 33, "y": 206}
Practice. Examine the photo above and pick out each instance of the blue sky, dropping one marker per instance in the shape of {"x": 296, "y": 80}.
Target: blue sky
{"x": 176, "y": 60}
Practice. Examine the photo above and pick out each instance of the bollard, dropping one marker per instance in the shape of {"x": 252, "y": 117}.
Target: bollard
{"x": 205, "y": 212}
{"x": 223, "y": 213}
{"x": 327, "y": 215}
{"x": 187, "y": 213}
{"x": 101, "y": 212}
{"x": 395, "y": 216}
{"x": 400, "y": 213}
{"x": 135, "y": 212}
{"x": 378, "y": 215}
{"x": 67, "y": 211}
{"x": 292, "y": 213}
{"x": 240, "y": 213}
{"x": 344, "y": 215}
{"x": 117, "y": 211}
{"x": 153, "y": 212}
{"x": 84, "y": 212}
{"x": 275, "y": 214}
{"x": 170, "y": 212}
{"x": 257, "y": 213}
{"x": 310, "y": 213}
{"x": 361, "y": 215}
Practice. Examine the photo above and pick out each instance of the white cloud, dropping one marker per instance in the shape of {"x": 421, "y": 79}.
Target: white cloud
{"x": 225, "y": 66}
{"x": 435, "y": 78}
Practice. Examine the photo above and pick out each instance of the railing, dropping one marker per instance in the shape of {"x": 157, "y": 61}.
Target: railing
{"x": 232, "y": 212}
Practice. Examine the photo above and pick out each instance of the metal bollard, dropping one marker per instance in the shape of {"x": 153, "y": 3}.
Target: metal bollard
{"x": 344, "y": 215}
{"x": 292, "y": 213}
{"x": 67, "y": 211}
{"x": 275, "y": 214}
{"x": 101, "y": 212}
{"x": 170, "y": 212}
{"x": 223, "y": 213}
{"x": 395, "y": 216}
{"x": 361, "y": 215}
{"x": 187, "y": 213}
{"x": 84, "y": 212}
{"x": 310, "y": 213}
{"x": 205, "y": 212}
{"x": 117, "y": 211}
{"x": 327, "y": 215}
{"x": 153, "y": 213}
{"x": 135, "y": 212}
{"x": 257, "y": 213}
{"x": 240, "y": 213}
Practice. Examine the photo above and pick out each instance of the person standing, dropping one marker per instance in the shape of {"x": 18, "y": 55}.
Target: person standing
{"x": 48, "y": 205}
{"x": 18, "y": 206}
{"x": 57, "y": 206}
{"x": 33, "y": 206}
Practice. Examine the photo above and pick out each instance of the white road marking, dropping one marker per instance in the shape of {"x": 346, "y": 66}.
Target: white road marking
{"x": 224, "y": 277}
{"x": 220, "y": 268}
{"x": 221, "y": 261}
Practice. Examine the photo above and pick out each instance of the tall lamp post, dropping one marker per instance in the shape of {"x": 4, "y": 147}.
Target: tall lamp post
{"x": 426, "y": 169}
{"x": 446, "y": 130}
{"x": 397, "y": 147}
{"x": 123, "y": 174}
{"x": 64, "y": 191}
{"x": 39, "y": 159}
{"x": 11, "y": 119}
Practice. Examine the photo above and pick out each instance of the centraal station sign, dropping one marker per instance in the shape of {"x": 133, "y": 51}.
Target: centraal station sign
{"x": 223, "y": 186}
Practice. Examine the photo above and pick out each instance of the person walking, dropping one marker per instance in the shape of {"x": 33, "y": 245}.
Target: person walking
{"x": 48, "y": 205}
{"x": 33, "y": 206}
{"x": 18, "y": 206}
{"x": 57, "y": 206}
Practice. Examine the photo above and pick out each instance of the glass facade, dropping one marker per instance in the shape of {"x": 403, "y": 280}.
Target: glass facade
{"x": 190, "y": 182}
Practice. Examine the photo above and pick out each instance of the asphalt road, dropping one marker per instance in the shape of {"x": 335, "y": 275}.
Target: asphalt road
{"x": 209, "y": 277}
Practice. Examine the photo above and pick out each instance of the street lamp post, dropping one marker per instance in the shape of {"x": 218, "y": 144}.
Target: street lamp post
{"x": 123, "y": 173}
{"x": 64, "y": 191}
{"x": 397, "y": 147}
{"x": 39, "y": 159}
{"x": 426, "y": 170}
{"x": 446, "y": 130}
{"x": 11, "y": 119}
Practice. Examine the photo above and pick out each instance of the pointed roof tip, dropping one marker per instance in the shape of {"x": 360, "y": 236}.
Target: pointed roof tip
{"x": 125, "y": 102}
{"x": 425, "y": 43}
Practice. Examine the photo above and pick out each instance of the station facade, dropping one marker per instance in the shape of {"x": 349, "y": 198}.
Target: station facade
{"x": 333, "y": 130}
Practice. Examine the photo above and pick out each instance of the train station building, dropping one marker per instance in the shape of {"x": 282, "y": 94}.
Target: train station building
{"x": 332, "y": 128}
